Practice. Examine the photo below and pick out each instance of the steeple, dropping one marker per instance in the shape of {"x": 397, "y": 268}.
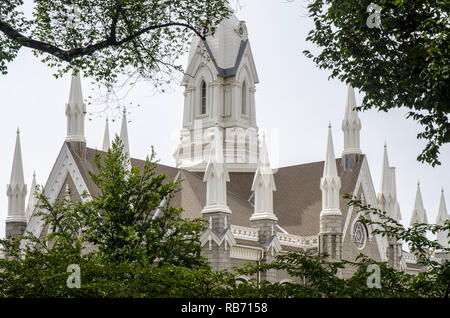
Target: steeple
{"x": 124, "y": 133}
{"x": 442, "y": 236}
{"x": 220, "y": 84}
{"x": 330, "y": 183}
{"x": 17, "y": 177}
{"x": 216, "y": 175}
{"x": 263, "y": 186}
{"x": 419, "y": 214}
{"x": 75, "y": 112}
{"x": 330, "y": 235}
{"x": 385, "y": 198}
{"x": 351, "y": 125}
{"x": 396, "y": 215}
{"x": 106, "y": 141}
{"x": 16, "y": 191}
{"x": 31, "y": 198}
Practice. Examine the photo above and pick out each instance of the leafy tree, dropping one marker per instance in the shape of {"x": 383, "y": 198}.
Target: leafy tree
{"x": 403, "y": 63}
{"x": 105, "y": 38}
{"x": 316, "y": 276}
{"x": 122, "y": 251}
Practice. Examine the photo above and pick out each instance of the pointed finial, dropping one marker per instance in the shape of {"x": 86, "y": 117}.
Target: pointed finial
{"x": 106, "y": 141}
{"x": 18, "y": 130}
{"x": 419, "y": 214}
{"x": 76, "y": 94}
{"x": 124, "y": 133}
{"x": 330, "y": 168}
{"x": 350, "y": 112}
{"x": 329, "y": 125}
{"x": 17, "y": 168}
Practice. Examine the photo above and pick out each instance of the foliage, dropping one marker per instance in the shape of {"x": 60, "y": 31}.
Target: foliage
{"x": 317, "y": 276}
{"x": 121, "y": 249}
{"x": 105, "y": 38}
{"x": 404, "y": 63}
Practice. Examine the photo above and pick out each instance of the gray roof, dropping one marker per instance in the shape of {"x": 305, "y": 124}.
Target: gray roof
{"x": 297, "y": 201}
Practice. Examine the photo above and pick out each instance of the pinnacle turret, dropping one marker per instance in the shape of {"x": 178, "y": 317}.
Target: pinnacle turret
{"x": 351, "y": 125}
{"x": 263, "y": 186}
{"x": 216, "y": 175}
{"x": 124, "y": 133}
{"x": 442, "y": 217}
{"x": 442, "y": 213}
{"x": 106, "y": 141}
{"x": 16, "y": 189}
{"x": 330, "y": 183}
{"x": 17, "y": 178}
{"x": 75, "y": 111}
{"x": 419, "y": 214}
{"x": 31, "y": 198}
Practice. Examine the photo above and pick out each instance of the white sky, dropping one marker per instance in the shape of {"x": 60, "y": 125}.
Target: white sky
{"x": 293, "y": 97}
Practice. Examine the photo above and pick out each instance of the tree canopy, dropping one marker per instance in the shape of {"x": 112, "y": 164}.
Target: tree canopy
{"x": 106, "y": 38}
{"x": 121, "y": 250}
{"x": 402, "y": 63}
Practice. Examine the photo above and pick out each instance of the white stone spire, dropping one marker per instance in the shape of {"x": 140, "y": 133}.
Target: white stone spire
{"x": 124, "y": 133}
{"x": 263, "y": 186}
{"x": 75, "y": 111}
{"x": 396, "y": 215}
{"x": 386, "y": 182}
{"x": 330, "y": 183}
{"x": 106, "y": 141}
{"x": 31, "y": 198}
{"x": 419, "y": 214}
{"x": 351, "y": 125}
{"x": 216, "y": 175}
{"x": 16, "y": 189}
{"x": 385, "y": 196}
{"x": 442, "y": 236}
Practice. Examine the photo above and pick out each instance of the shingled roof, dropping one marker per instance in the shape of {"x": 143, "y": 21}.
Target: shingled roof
{"x": 297, "y": 201}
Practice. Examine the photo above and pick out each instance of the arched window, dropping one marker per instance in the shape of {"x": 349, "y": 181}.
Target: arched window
{"x": 244, "y": 99}
{"x": 203, "y": 99}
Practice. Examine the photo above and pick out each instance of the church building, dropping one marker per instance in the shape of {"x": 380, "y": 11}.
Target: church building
{"x": 253, "y": 212}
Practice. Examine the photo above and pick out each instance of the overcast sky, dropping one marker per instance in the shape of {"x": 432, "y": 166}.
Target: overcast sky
{"x": 294, "y": 98}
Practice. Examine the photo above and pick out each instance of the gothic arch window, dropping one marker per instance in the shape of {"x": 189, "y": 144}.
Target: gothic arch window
{"x": 203, "y": 98}
{"x": 244, "y": 98}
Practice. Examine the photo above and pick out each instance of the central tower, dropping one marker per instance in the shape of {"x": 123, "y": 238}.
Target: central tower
{"x": 220, "y": 81}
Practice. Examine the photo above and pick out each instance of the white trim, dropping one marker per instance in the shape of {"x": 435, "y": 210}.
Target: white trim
{"x": 365, "y": 182}
{"x": 245, "y": 253}
{"x": 244, "y": 233}
{"x": 209, "y": 236}
{"x": 64, "y": 165}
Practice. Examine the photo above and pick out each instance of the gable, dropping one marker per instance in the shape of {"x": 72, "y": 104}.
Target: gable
{"x": 65, "y": 167}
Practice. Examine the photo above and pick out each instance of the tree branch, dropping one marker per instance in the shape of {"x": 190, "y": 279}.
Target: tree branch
{"x": 69, "y": 55}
